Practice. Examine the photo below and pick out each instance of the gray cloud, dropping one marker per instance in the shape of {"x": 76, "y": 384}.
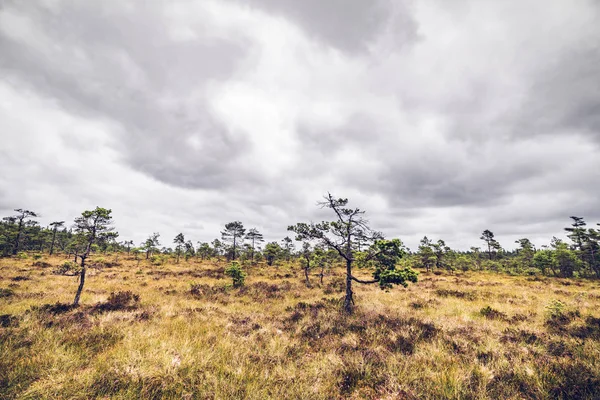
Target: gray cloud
{"x": 437, "y": 118}
{"x": 348, "y": 25}
{"x": 121, "y": 64}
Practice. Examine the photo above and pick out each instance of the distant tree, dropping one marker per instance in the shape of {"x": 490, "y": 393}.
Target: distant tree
{"x": 128, "y": 244}
{"x": 217, "y": 248}
{"x": 55, "y": 225}
{"x": 543, "y": 260}
{"x": 151, "y": 244}
{"x": 21, "y": 219}
{"x": 92, "y": 227}
{"x": 565, "y": 259}
{"x": 441, "y": 252}
{"x": 591, "y": 250}
{"x": 476, "y": 254}
{"x": 426, "y": 254}
{"x": 492, "y": 245}
{"x": 307, "y": 260}
{"x": 233, "y": 233}
{"x": 526, "y": 251}
{"x": 323, "y": 259}
{"x": 179, "y": 242}
{"x": 288, "y": 247}
{"x": 587, "y": 243}
{"x": 272, "y": 252}
{"x": 255, "y": 237}
{"x": 341, "y": 234}
{"x": 577, "y": 232}
{"x": 189, "y": 250}
{"x": 204, "y": 251}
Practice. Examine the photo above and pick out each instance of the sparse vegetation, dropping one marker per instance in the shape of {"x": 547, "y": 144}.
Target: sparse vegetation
{"x": 281, "y": 323}
{"x": 155, "y": 335}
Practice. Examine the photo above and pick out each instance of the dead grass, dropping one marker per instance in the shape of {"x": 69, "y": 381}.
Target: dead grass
{"x": 178, "y": 331}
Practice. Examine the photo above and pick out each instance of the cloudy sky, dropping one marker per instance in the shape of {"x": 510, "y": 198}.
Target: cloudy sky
{"x": 437, "y": 117}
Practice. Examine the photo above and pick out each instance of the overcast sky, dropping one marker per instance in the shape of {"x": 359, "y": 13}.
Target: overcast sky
{"x": 439, "y": 118}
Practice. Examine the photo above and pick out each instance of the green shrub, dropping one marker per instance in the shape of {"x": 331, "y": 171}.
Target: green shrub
{"x": 157, "y": 259}
{"x": 6, "y": 292}
{"x": 557, "y": 314}
{"x": 236, "y": 273}
{"x": 67, "y": 268}
{"x": 491, "y": 313}
{"x": 22, "y": 255}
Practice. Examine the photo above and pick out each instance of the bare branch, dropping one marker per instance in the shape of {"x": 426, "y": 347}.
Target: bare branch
{"x": 364, "y": 282}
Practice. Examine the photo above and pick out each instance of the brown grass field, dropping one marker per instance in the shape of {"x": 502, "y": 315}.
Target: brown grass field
{"x": 182, "y": 334}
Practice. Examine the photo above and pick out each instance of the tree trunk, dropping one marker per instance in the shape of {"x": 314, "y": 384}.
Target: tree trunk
{"x": 81, "y": 282}
{"x": 349, "y": 300}
{"x": 234, "y": 248}
{"x": 53, "y": 239}
{"x": 18, "y": 239}
{"x": 322, "y": 274}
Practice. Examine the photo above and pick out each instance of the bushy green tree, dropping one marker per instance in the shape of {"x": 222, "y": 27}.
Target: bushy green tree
{"x": 272, "y": 252}
{"x": 204, "y": 251}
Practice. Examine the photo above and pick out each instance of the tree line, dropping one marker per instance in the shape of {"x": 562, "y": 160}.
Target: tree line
{"x": 347, "y": 239}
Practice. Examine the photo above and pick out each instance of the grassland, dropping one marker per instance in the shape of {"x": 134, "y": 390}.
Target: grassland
{"x": 176, "y": 331}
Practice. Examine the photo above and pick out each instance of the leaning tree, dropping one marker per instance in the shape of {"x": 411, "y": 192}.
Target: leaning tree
{"x": 91, "y": 228}
{"x": 344, "y": 234}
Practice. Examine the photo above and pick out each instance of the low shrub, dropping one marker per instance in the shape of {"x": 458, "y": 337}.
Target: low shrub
{"x": 491, "y": 313}
{"x": 456, "y": 293}
{"x": 236, "y": 273}
{"x": 558, "y": 314}
{"x": 124, "y": 300}
{"x": 69, "y": 268}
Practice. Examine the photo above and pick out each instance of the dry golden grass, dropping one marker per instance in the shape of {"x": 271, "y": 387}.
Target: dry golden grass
{"x": 469, "y": 335}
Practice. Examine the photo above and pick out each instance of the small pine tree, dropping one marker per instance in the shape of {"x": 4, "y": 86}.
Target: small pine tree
{"x": 236, "y": 273}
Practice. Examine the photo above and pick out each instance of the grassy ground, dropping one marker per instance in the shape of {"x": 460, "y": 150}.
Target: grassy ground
{"x": 468, "y": 335}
